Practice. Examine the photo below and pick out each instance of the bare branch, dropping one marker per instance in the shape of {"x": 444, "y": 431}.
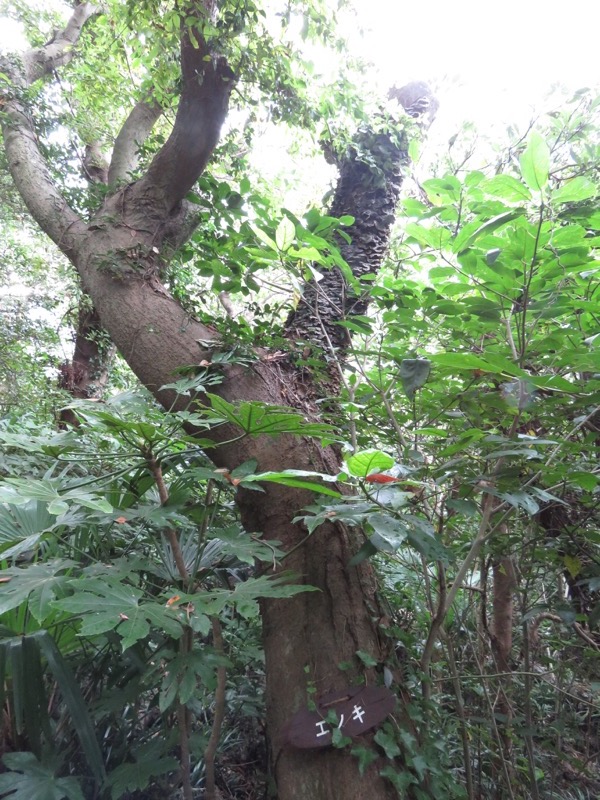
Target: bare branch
{"x": 207, "y": 84}
{"x": 135, "y": 131}
{"x": 43, "y": 60}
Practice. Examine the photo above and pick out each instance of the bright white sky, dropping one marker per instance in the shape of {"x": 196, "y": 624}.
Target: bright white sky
{"x": 490, "y": 63}
{"x": 506, "y": 54}
{"x": 500, "y": 57}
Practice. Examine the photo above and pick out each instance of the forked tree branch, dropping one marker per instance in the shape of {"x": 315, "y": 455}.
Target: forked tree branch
{"x": 41, "y": 61}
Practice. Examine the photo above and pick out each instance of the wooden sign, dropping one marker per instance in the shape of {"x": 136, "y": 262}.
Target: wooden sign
{"x": 355, "y": 710}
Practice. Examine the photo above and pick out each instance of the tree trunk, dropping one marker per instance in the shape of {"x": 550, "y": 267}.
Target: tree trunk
{"x": 310, "y": 640}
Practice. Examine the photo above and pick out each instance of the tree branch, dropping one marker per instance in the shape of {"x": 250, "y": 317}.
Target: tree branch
{"x": 207, "y": 84}
{"x": 33, "y": 180}
{"x": 135, "y": 131}
{"x": 41, "y": 61}
{"x": 26, "y": 164}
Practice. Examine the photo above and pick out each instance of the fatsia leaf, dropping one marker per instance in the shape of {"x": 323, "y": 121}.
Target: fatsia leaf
{"x": 106, "y": 605}
{"x": 31, "y": 581}
{"x": 535, "y": 162}
{"x": 30, "y": 780}
{"x": 256, "y": 418}
{"x": 136, "y": 777}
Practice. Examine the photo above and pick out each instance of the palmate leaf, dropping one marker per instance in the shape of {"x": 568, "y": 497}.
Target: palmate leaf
{"x": 22, "y": 526}
{"x": 136, "y": 777}
{"x": 54, "y": 492}
{"x": 106, "y": 605}
{"x": 260, "y": 418}
{"x": 247, "y": 593}
{"x": 37, "y": 583}
{"x": 30, "y": 780}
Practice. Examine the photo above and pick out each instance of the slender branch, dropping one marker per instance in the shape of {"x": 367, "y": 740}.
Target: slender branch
{"x": 171, "y": 534}
{"x": 133, "y": 133}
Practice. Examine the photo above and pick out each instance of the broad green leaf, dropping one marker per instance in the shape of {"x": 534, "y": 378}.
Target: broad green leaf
{"x": 265, "y": 238}
{"x": 462, "y": 242}
{"x": 40, "y": 578}
{"x": 507, "y": 188}
{"x": 364, "y": 462}
{"x": 388, "y": 533}
{"x": 135, "y": 777}
{"x": 30, "y": 780}
{"x": 259, "y": 418}
{"x": 575, "y": 190}
{"x": 285, "y": 234}
{"x": 413, "y": 374}
{"x": 535, "y": 162}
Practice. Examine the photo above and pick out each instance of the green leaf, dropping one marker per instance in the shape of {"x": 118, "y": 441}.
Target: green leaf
{"x": 387, "y": 741}
{"x": 30, "y": 780}
{"x": 32, "y": 581}
{"x": 285, "y": 234}
{"x": 575, "y": 190}
{"x": 466, "y": 238}
{"x": 413, "y": 374}
{"x": 295, "y": 477}
{"x": 256, "y": 418}
{"x": 364, "y": 462}
{"x": 265, "y": 238}
{"x": 388, "y": 533}
{"x": 75, "y": 703}
{"x": 136, "y": 777}
{"x": 507, "y": 188}
{"x": 535, "y": 162}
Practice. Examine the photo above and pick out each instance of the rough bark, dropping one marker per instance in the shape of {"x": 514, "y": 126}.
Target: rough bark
{"x": 86, "y": 375}
{"x": 370, "y": 179}
{"x": 118, "y": 256}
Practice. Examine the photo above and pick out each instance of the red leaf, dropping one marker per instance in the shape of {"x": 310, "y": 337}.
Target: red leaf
{"x": 379, "y": 477}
